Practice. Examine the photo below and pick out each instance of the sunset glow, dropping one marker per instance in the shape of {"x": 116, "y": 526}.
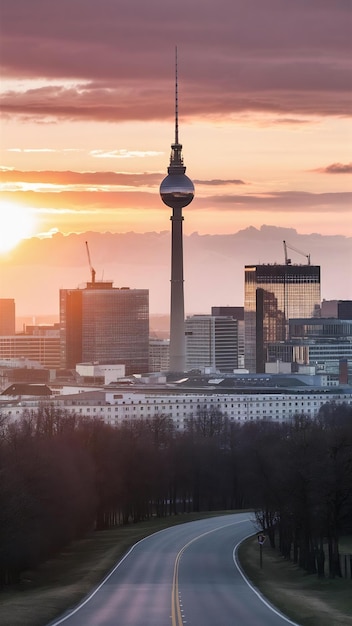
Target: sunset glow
{"x": 88, "y": 112}
{"x": 17, "y": 223}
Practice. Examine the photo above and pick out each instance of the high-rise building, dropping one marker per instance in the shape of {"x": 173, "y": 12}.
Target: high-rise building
{"x": 7, "y": 316}
{"x": 103, "y": 324}
{"x": 211, "y": 343}
{"x": 177, "y": 191}
{"x": 237, "y": 312}
{"x": 273, "y": 295}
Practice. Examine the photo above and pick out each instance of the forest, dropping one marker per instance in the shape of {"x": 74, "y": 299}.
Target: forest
{"x": 62, "y": 476}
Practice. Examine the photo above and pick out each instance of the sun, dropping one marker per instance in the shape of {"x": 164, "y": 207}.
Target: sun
{"x": 16, "y": 223}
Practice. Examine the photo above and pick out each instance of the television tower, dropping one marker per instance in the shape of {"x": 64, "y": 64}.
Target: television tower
{"x": 177, "y": 191}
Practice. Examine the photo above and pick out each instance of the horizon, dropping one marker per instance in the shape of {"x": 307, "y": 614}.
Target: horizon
{"x": 34, "y": 271}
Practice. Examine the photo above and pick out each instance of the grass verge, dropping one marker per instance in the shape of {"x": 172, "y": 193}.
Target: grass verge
{"x": 62, "y": 582}
{"x": 304, "y": 598}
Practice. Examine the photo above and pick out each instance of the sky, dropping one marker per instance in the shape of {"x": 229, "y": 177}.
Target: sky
{"x": 87, "y": 100}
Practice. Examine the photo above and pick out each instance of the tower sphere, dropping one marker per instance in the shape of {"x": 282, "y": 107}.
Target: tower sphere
{"x": 177, "y": 190}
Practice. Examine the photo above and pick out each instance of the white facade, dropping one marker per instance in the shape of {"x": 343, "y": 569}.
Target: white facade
{"x": 116, "y": 406}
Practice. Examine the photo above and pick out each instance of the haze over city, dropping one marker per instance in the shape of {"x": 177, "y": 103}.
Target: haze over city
{"x": 88, "y": 112}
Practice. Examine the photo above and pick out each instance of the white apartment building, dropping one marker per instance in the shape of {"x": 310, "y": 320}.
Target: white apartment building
{"x": 116, "y": 406}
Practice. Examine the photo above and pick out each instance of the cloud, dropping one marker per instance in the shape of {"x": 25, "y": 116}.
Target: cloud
{"x": 85, "y": 200}
{"x": 123, "y": 154}
{"x": 65, "y": 178}
{"x": 95, "y": 199}
{"x": 276, "y": 201}
{"x": 26, "y": 150}
{"x": 291, "y": 58}
{"x": 47, "y": 234}
{"x": 290, "y": 121}
{"x": 217, "y": 181}
{"x": 336, "y": 168}
{"x": 142, "y": 260}
{"x": 29, "y": 150}
{"x": 52, "y": 103}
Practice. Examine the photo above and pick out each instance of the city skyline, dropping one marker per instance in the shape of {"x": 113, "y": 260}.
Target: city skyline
{"x": 87, "y": 101}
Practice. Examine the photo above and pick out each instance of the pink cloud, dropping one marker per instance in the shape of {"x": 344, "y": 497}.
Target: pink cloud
{"x": 276, "y": 201}
{"x": 336, "y": 168}
{"x": 80, "y": 178}
{"x": 234, "y": 55}
{"x": 273, "y": 202}
{"x": 219, "y": 182}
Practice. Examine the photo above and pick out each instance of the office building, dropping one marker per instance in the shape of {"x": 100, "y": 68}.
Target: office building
{"x": 159, "y": 355}
{"x": 211, "y": 343}
{"x": 274, "y": 294}
{"x": 7, "y": 316}
{"x": 43, "y": 349}
{"x": 103, "y": 324}
{"x": 237, "y": 313}
{"x": 319, "y": 328}
{"x": 321, "y": 343}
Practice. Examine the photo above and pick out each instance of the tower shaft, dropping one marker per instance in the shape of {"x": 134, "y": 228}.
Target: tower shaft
{"x": 177, "y": 308}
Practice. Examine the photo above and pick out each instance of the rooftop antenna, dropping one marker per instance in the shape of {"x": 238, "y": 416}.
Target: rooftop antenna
{"x": 176, "y": 98}
{"x": 176, "y": 159}
{"x": 92, "y": 270}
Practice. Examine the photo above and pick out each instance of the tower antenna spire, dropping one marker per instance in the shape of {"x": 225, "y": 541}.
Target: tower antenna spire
{"x": 176, "y": 98}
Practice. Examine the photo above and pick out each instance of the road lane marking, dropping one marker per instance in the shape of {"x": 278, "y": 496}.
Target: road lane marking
{"x": 176, "y": 617}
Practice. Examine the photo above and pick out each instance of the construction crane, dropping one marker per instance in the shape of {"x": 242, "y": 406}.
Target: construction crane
{"x": 287, "y": 260}
{"x": 92, "y": 270}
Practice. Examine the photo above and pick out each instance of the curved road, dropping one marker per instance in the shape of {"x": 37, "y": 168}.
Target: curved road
{"x": 186, "y": 574}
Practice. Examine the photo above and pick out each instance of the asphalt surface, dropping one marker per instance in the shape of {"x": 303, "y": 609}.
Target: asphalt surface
{"x": 183, "y": 575}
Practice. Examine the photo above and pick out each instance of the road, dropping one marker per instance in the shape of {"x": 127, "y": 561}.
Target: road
{"x": 186, "y": 574}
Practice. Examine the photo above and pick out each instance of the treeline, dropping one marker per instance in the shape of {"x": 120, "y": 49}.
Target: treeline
{"x": 62, "y": 475}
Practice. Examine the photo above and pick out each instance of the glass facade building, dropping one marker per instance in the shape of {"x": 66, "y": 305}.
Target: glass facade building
{"x": 273, "y": 295}
{"x": 104, "y": 324}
